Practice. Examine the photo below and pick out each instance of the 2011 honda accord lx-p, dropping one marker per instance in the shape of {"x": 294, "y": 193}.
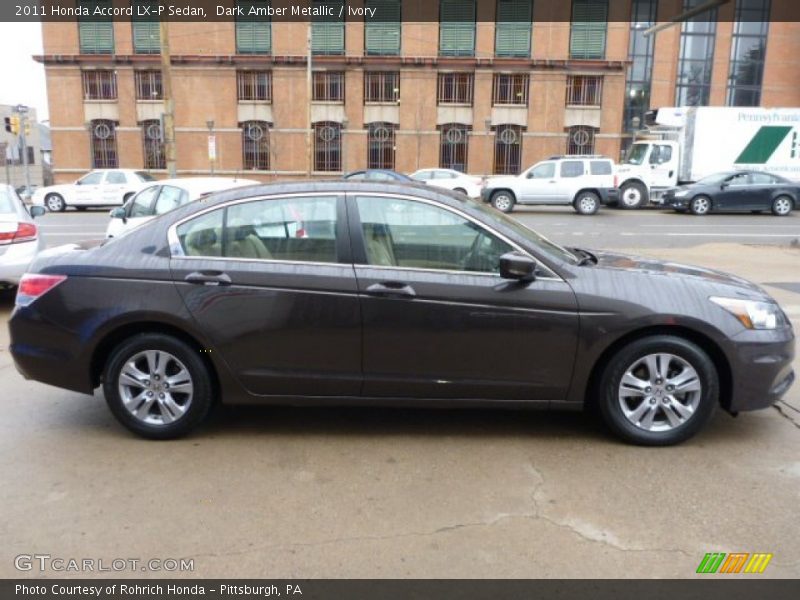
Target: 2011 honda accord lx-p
{"x": 387, "y": 294}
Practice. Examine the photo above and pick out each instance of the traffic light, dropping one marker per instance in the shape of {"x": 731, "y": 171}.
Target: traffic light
{"x": 8, "y": 124}
{"x": 12, "y": 124}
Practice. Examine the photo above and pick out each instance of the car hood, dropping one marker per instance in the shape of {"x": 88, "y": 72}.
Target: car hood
{"x": 657, "y": 268}
{"x": 59, "y": 189}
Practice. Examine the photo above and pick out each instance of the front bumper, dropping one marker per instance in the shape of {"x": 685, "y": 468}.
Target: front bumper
{"x": 761, "y": 368}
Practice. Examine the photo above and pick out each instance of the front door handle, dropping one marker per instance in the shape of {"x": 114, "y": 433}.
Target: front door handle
{"x": 391, "y": 288}
{"x": 208, "y": 278}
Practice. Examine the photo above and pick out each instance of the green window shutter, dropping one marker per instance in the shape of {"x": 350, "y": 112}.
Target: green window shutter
{"x": 589, "y": 24}
{"x": 457, "y": 28}
{"x": 513, "y": 28}
{"x": 327, "y": 33}
{"x": 382, "y": 34}
{"x": 146, "y": 31}
{"x": 253, "y": 34}
{"x": 96, "y": 36}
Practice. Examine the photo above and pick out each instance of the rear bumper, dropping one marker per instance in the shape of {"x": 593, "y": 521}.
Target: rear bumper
{"x": 15, "y": 261}
{"x": 761, "y": 367}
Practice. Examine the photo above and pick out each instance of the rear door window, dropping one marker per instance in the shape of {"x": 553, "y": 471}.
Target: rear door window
{"x": 116, "y": 178}
{"x": 571, "y": 168}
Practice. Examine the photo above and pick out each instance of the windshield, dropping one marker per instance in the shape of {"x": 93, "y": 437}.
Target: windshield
{"x": 714, "y": 179}
{"x": 636, "y": 154}
{"x": 536, "y": 239}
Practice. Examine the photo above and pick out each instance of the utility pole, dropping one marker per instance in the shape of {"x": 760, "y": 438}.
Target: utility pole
{"x": 309, "y": 93}
{"x": 22, "y": 111}
{"x": 169, "y": 102}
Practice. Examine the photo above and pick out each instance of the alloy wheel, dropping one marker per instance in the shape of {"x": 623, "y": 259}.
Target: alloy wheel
{"x": 155, "y": 387}
{"x": 783, "y": 206}
{"x": 502, "y": 202}
{"x": 701, "y": 205}
{"x": 588, "y": 204}
{"x": 659, "y": 392}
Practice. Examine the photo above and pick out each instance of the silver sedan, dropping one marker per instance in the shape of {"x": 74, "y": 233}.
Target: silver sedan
{"x": 20, "y": 239}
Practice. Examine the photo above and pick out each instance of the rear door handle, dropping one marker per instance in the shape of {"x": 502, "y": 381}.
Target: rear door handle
{"x": 208, "y": 278}
{"x": 391, "y": 288}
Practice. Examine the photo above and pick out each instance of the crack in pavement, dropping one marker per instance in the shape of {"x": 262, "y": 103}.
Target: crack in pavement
{"x": 782, "y": 412}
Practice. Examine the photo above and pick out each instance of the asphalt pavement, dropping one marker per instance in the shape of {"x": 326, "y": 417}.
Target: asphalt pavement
{"x": 608, "y": 229}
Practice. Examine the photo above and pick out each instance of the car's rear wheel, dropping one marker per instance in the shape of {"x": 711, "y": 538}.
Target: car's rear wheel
{"x": 633, "y": 195}
{"x": 586, "y": 203}
{"x": 782, "y": 206}
{"x": 700, "y": 205}
{"x": 658, "y": 391}
{"x": 55, "y": 202}
{"x": 503, "y": 201}
{"x": 157, "y": 386}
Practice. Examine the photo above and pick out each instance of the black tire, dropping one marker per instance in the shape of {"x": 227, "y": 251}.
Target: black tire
{"x": 586, "y": 203}
{"x": 782, "y": 206}
{"x": 700, "y": 205}
{"x": 460, "y": 191}
{"x": 503, "y": 201}
{"x": 633, "y": 195}
{"x": 609, "y": 403}
{"x": 55, "y": 202}
{"x": 199, "y": 403}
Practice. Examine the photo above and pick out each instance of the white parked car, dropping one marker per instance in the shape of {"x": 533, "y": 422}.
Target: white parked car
{"x": 20, "y": 240}
{"x": 450, "y": 179}
{"x": 103, "y": 187}
{"x": 163, "y": 196}
{"x": 583, "y": 182}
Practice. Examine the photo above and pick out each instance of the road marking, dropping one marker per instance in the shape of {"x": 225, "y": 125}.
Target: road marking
{"x": 736, "y": 235}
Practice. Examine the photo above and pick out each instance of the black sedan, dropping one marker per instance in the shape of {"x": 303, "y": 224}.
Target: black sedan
{"x": 364, "y": 293}
{"x": 736, "y": 191}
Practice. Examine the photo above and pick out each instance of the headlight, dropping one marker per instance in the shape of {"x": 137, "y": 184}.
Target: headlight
{"x": 681, "y": 193}
{"x": 752, "y": 313}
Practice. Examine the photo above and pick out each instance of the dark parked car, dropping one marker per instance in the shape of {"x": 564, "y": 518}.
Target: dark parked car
{"x": 366, "y": 293}
{"x": 736, "y": 191}
{"x": 378, "y": 175}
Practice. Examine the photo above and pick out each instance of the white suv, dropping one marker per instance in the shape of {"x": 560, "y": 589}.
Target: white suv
{"x": 583, "y": 182}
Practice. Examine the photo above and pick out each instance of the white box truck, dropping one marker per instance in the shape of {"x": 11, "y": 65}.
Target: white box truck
{"x": 686, "y": 144}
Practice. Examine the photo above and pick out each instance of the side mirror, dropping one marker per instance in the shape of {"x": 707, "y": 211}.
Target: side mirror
{"x": 118, "y": 213}
{"x": 514, "y": 265}
{"x": 37, "y": 211}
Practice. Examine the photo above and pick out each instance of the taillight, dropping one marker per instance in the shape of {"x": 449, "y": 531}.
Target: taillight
{"x": 32, "y": 286}
{"x": 616, "y": 181}
{"x": 26, "y": 232}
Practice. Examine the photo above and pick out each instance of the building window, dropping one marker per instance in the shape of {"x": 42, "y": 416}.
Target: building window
{"x": 382, "y": 34}
{"x": 455, "y": 88}
{"x": 146, "y": 28}
{"x": 510, "y": 88}
{"x": 327, "y": 146}
{"x": 253, "y": 33}
{"x": 148, "y": 85}
{"x": 696, "y": 58}
{"x": 588, "y": 32}
{"x": 99, "y": 85}
{"x": 512, "y": 31}
{"x": 453, "y": 147}
{"x": 255, "y": 145}
{"x": 380, "y": 145}
{"x": 327, "y": 32}
{"x": 584, "y": 90}
{"x": 580, "y": 140}
{"x": 328, "y": 86}
{"x": 457, "y": 28}
{"x": 254, "y": 86}
{"x": 507, "y": 149}
{"x": 640, "y": 68}
{"x": 748, "y": 51}
{"x": 103, "y": 135}
{"x": 96, "y": 34}
{"x": 381, "y": 86}
{"x": 153, "y": 142}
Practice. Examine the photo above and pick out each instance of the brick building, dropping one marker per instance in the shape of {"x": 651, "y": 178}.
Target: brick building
{"x": 488, "y": 86}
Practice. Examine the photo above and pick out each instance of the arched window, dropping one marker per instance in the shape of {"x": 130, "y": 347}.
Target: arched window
{"x": 104, "y": 144}
{"x": 327, "y": 146}
{"x": 507, "y": 149}
{"x": 453, "y": 146}
{"x": 580, "y": 140}
{"x": 380, "y": 145}
{"x": 255, "y": 145}
{"x": 153, "y": 144}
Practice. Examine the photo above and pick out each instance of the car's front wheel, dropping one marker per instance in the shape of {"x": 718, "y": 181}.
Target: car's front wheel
{"x": 157, "y": 386}
{"x": 503, "y": 201}
{"x": 633, "y": 195}
{"x": 54, "y": 203}
{"x": 700, "y": 205}
{"x": 658, "y": 391}
{"x": 586, "y": 203}
{"x": 782, "y": 206}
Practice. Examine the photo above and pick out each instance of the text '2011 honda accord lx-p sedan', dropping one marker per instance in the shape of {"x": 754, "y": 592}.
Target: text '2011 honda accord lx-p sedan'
{"x": 381, "y": 294}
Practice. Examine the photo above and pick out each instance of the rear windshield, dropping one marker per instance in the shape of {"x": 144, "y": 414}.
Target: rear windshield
{"x": 7, "y": 204}
{"x": 144, "y": 176}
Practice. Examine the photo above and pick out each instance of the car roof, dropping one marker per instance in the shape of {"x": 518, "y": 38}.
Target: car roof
{"x": 204, "y": 185}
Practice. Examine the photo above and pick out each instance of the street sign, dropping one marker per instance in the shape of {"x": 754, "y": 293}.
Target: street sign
{"x": 212, "y": 147}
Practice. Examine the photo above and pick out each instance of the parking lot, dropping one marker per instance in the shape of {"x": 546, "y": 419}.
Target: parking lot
{"x": 332, "y": 492}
